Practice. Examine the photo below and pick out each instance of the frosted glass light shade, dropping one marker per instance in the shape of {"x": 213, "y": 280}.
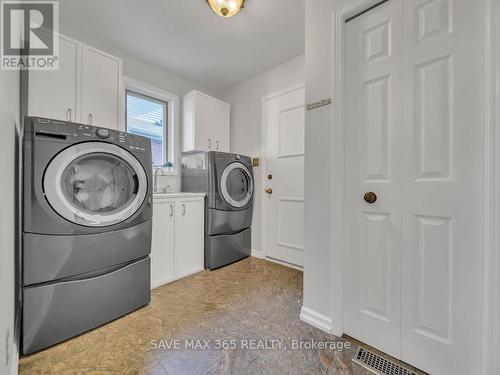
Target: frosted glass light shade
{"x": 226, "y": 8}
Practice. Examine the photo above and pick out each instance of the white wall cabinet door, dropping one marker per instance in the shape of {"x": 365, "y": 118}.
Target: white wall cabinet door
{"x": 163, "y": 243}
{"x": 221, "y": 122}
{"x": 101, "y": 89}
{"x": 189, "y": 237}
{"x": 54, "y": 93}
{"x": 206, "y": 122}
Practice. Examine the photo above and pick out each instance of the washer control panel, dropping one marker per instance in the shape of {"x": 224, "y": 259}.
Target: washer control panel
{"x": 126, "y": 140}
{"x": 63, "y": 131}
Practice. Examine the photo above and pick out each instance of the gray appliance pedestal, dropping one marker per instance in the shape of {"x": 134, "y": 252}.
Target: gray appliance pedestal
{"x": 223, "y": 249}
{"x": 56, "y": 311}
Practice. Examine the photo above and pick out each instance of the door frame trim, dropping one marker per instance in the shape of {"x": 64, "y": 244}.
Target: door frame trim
{"x": 491, "y": 280}
{"x": 265, "y": 100}
{"x": 491, "y": 181}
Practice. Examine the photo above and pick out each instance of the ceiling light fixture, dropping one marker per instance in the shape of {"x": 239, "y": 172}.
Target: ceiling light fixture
{"x": 226, "y": 8}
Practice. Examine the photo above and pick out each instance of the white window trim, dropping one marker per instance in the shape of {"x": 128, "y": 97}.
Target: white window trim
{"x": 173, "y": 112}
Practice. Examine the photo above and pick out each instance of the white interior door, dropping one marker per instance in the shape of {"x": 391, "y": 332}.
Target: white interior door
{"x": 443, "y": 185}
{"x": 414, "y": 128}
{"x": 284, "y": 199}
{"x": 373, "y": 164}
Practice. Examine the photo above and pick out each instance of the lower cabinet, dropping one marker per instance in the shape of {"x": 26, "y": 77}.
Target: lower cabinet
{"x": 189, "y": 238}
{"x": 177, "y": 248}
{"x": 162, "y": 243}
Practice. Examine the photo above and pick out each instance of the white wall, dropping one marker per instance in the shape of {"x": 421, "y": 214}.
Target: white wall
{"x": 319, "y": 157}
{"x": 142, "y": 71}
{"x": 9, "y": 111}
{"x": 246, "y": 121}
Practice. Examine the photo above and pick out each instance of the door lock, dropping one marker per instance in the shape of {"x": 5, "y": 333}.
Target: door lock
{"x": 269, "y": 191}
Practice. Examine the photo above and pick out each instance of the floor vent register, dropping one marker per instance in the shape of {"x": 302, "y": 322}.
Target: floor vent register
{"x": 378, "y": 364}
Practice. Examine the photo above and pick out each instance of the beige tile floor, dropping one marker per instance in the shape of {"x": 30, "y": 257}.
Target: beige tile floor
{"x": 250, "y": 300}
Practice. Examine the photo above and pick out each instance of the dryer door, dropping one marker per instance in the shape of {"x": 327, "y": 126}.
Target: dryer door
{"x": 95, "y": 184}
{"x": 236, "y": 185}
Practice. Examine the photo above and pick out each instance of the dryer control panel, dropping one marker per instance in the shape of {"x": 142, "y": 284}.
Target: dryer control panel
{"x": 62, "y": 131}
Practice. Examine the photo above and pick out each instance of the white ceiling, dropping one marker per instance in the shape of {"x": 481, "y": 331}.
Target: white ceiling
{"x": 186, "y": 38}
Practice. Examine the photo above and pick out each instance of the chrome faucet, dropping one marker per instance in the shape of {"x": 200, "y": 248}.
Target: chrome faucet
{"x": 155, "y": 178}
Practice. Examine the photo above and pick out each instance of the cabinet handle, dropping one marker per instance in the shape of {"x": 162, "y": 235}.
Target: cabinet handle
{"x": 183, "y": 209}
{"x": 90, "y": 119}
{"x": 171, "y": 210}
{"x": 217, "y": 145}
{"x": 209, "y": 143}
{"x": 68, "y": 114}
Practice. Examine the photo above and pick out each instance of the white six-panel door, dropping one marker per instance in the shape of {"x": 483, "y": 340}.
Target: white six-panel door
{"x": 373, "y": 164}
{"x": 414, "y": 136}
{"x": 443, "y": 184}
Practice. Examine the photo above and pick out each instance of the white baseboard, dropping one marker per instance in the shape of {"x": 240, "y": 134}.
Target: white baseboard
{"x": 169, "y": 280}
{"x": 286, "y": 264}
{"x": 189, "y": 272}
{"x": 257, "y": 254}
{"x": 162, "y": 282}
{"x": 316, "y": 319}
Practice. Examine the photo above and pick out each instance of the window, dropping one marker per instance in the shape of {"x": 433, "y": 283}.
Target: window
{"x": 148, "y": 116}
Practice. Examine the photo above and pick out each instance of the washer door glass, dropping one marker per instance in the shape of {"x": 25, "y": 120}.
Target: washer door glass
{"x": 95, "y": 184}
{"x": 236, "y": 185}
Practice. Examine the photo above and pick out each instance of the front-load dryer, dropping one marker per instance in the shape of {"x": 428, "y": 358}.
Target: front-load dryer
{"x": 86, "y": 228}
{"x": 228, "y": 181}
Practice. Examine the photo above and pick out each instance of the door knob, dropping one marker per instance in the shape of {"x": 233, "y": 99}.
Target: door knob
{"x": 370, "y": 197}
{"x": 269, "y": 191}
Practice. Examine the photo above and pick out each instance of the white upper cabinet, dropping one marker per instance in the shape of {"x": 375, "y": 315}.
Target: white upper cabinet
{"x": 101, "y": 88}
{"x": 221, "y": 126}
{"x": 87, "y": 87}
{"x": 54, "y": 93}
{"x": 205, "y": 123}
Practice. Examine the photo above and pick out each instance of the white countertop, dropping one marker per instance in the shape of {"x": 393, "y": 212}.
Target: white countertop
{"x": 162, "y": 196}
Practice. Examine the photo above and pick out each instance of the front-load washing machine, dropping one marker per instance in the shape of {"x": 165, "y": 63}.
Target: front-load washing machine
{"x": 86, "y": 228}
{"x": 228, "y": 181}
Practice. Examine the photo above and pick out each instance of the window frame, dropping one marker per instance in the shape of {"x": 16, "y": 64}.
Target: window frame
{"x": 166, "y": 123}
{"x": 171, "y": 130}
